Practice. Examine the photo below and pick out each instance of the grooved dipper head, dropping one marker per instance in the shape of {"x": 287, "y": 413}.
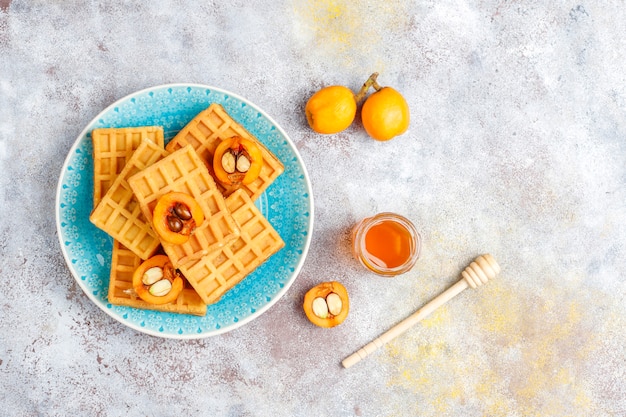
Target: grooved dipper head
{"x": 481, "y": 270}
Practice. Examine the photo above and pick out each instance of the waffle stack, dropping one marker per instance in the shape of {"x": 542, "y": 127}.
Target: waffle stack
{"x": 133, "y": 170}
{"x": 216, "y": 273}
{"x": 119, "y": 214}
{"x": 112, "y": 148}
{"x": 123, "y": 265}
{"x": 183, "y": 171}
{"x": 208, "y": 129}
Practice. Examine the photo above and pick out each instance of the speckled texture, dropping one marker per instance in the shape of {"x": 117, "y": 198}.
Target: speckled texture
{"x": 516, "y": 147}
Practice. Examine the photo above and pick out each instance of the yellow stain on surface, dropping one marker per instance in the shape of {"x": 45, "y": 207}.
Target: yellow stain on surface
{"x": 548, "y": 382}
{"x": 519, "y": 357}
{"x": 419, "y": 379}
{"x": 333, "y": 24}
{"x": 350, "y": 33}
{"x": 500, "y": 312}
{"x": 437, "y": 318}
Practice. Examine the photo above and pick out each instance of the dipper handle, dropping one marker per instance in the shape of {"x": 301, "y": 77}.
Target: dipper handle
{"x": 476, "y": 274}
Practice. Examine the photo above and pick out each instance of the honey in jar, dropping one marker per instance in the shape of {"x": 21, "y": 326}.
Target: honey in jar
{"x": 387, "y": 244}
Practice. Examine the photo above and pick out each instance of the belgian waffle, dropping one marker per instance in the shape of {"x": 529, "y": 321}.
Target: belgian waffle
{"x": 118, "y": 212}
{"x": 219, "y": 271}
{"x": 112, "y": 148}
{"x": 183, "y": 171}
{"x": 208, "y": 129}
{"x": 123, "y": 265}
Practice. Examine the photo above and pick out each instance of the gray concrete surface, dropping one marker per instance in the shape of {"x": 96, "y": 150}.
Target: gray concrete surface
{"x": 516, "y": 148}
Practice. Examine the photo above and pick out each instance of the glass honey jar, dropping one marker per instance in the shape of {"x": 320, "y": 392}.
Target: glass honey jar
{"x": 387, "y": 244}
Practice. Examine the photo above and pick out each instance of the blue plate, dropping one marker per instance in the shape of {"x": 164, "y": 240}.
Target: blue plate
{"x": 287, "y": 204}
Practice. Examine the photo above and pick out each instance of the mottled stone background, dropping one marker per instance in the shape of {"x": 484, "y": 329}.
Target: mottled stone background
{"x": 516, "y": 148}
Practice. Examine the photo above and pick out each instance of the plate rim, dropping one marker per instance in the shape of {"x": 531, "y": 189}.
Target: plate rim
{"x": 233, "y": 326}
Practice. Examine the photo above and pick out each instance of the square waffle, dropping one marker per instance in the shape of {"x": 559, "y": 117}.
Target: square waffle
{"x": 208, "y": 129}
{"x": 118, "y": 212}
{"x": 112, "y": 148}
{"x": 183, "y": 171}
{"x": 219, "y": 271}
{"x": 123, "y": 265}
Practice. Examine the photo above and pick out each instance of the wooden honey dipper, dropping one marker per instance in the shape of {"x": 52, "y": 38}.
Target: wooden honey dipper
{"x": 476, "y": 274}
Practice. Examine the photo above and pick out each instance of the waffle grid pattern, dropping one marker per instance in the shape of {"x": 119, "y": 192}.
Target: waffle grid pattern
{"x": 119, "y": 214}
{"x": 123, "y": 264}
{"x": 183, "y": 171}
{"x": 112, "y": 148}
{"x": 208, "y": 129}
{"x": 221, "y": 270}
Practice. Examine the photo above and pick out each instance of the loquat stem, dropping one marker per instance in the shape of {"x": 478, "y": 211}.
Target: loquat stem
{"x": 371, "y": 82}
